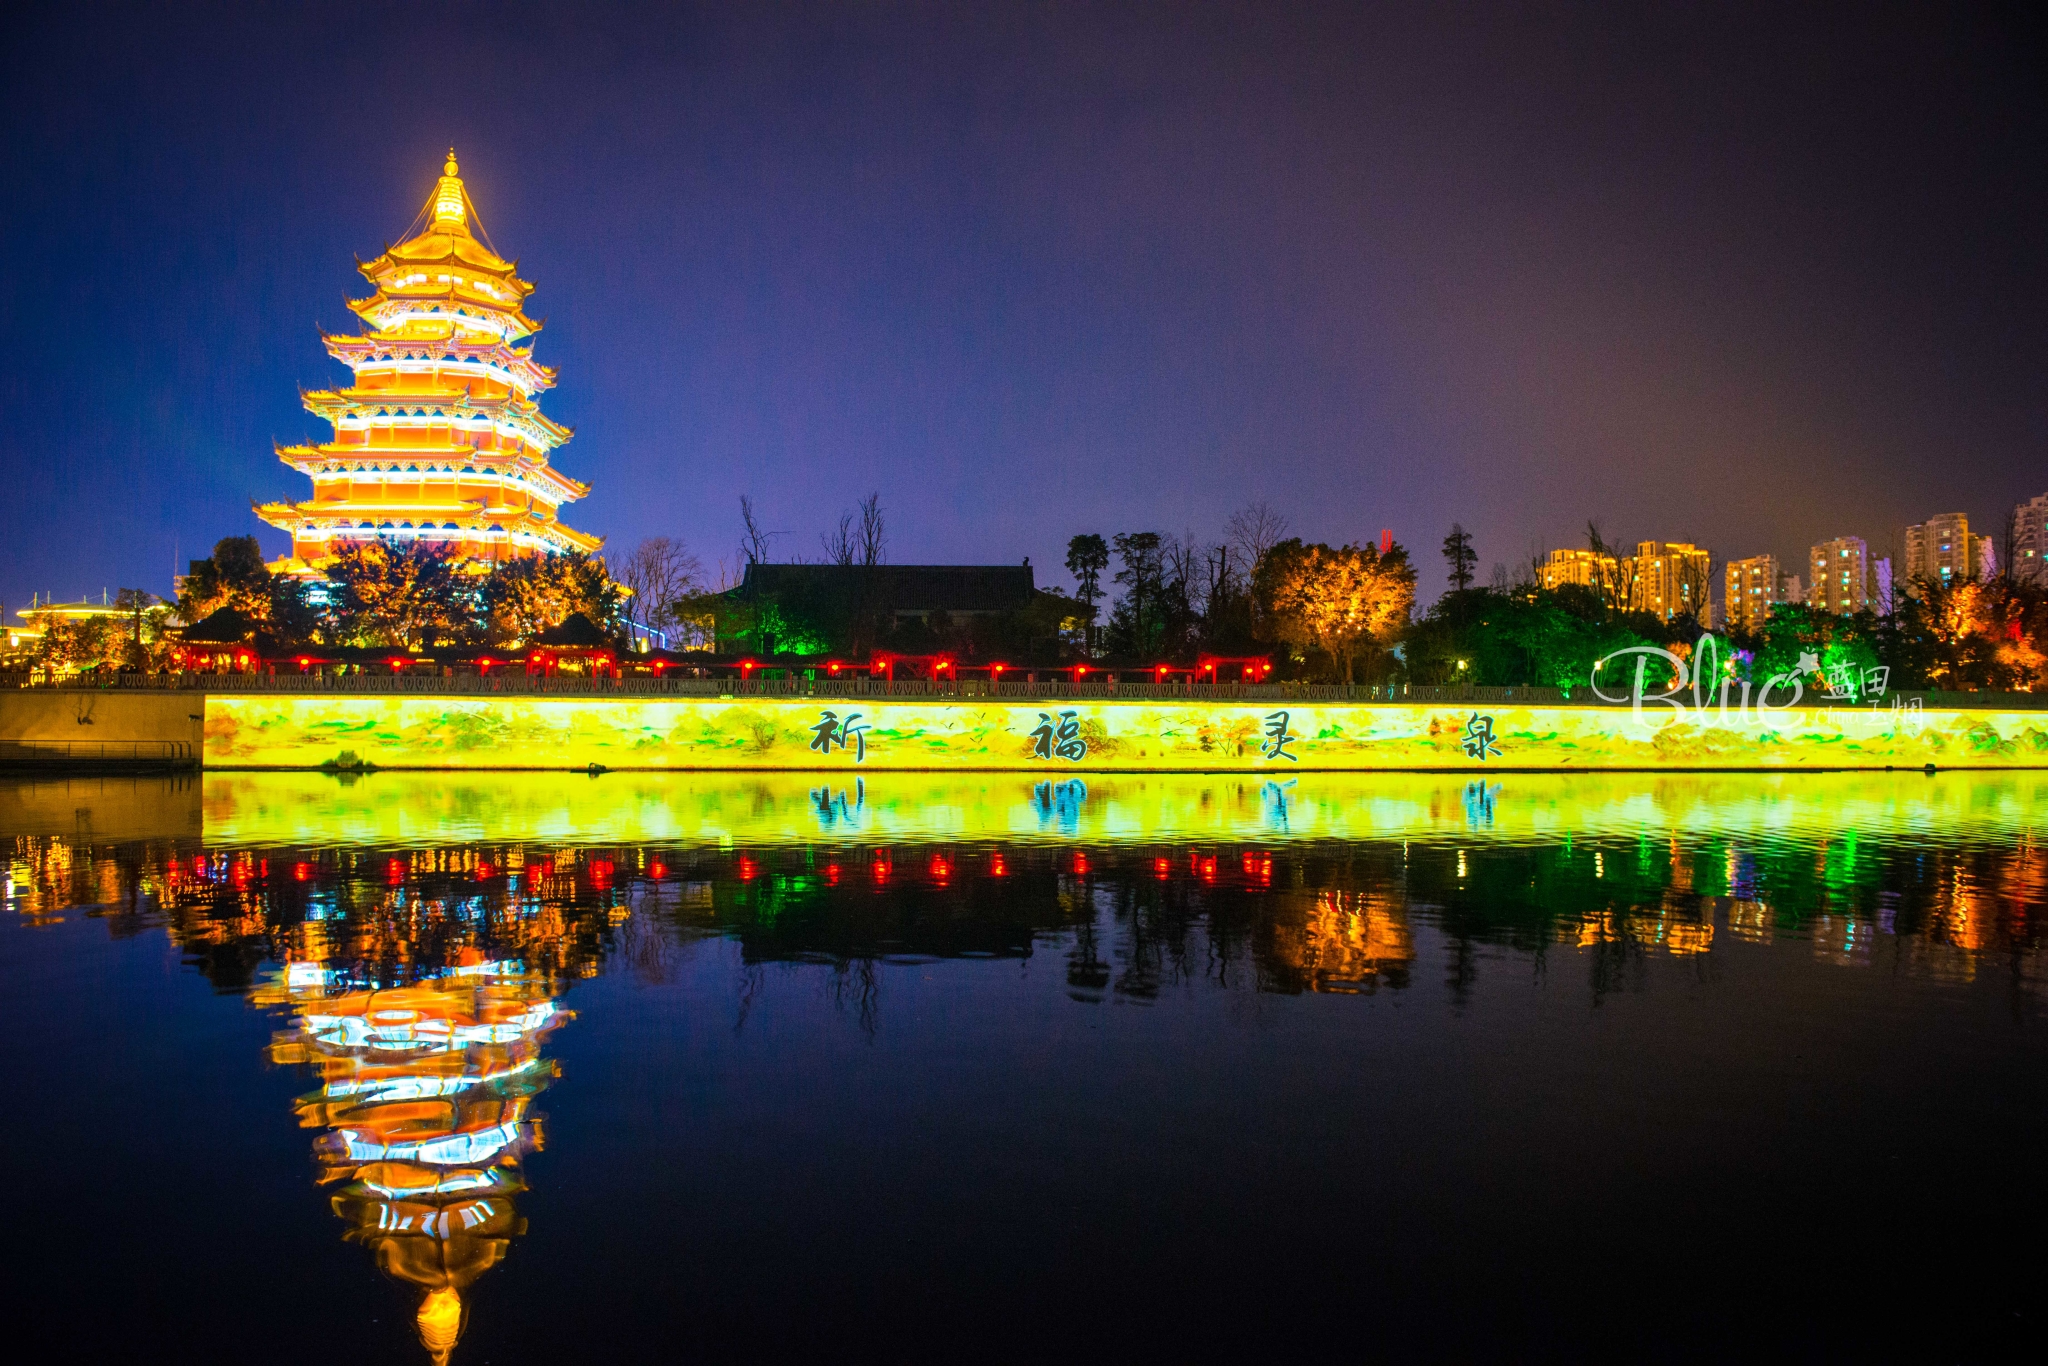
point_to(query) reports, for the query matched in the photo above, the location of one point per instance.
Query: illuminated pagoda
(438, 440)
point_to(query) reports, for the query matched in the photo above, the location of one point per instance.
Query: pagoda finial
(450, 212)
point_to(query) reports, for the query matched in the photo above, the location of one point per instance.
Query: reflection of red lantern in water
(425, 1097)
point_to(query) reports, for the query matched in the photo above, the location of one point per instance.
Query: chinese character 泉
(1478, 741)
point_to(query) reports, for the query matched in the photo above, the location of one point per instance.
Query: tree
(1458, 553)
(872, 538)
(1342, 601)
(386, 595)
(754, 541)
(839, 542)
(1087, 557)
(1252, 531)
(1136, 622)
(530, 595)
(87, 643)
(234, 576)
(661, 573)
(1973, 636)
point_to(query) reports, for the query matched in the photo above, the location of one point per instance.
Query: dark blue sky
(1027, 271)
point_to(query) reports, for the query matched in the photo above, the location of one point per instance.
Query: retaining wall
(1079, 736)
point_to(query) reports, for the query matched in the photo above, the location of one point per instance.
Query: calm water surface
(529, 1067)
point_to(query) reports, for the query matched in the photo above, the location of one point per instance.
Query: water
(665, 1067)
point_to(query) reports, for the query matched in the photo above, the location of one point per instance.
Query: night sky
(1753, 279)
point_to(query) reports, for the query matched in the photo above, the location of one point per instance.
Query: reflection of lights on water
(941, 870)
(1080, 864)
(1599, 864)
(748, 869)
(996, 866)
(656, 870)
(1461, 863)
(425, 1096)
(832, 875)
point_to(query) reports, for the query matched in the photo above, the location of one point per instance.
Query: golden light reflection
(1346, 942)
(426, 1094)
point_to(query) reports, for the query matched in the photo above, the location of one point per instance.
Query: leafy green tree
(1347, 603)
(1137, 622)
(385, 595)
(233, 576)
(1460, 556)
(527, 596)
(1087, 557)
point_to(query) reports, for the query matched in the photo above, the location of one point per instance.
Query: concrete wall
(90, 714)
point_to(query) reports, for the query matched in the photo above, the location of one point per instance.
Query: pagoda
(438, 440)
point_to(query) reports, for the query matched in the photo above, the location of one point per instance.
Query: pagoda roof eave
(461, 507)
(430, 248)
(361, 308)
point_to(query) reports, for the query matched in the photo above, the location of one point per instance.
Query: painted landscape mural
(350, 733)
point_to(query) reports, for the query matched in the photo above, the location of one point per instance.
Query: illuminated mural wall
(1056, 738)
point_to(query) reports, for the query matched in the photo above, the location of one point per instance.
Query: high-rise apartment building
(1940, 550)
(1750, 588)
(1790, 589)
(1841, 575)
(1583, 567)
(2030, 542)
(1670, 578)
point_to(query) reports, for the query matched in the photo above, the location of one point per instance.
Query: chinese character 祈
(831, 731)
(1059, 739)
(1277, 738)
(1477, 740)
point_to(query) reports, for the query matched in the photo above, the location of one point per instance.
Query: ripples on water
(420, 985)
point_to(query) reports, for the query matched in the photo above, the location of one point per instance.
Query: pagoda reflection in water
(426, 1094)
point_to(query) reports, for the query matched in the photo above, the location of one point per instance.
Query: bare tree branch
(755, 542)
(1252, 531)
(873, 537)
(841, 547)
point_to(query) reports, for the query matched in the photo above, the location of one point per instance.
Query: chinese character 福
(1059, 739)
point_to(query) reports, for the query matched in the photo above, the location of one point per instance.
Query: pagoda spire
(451, 213)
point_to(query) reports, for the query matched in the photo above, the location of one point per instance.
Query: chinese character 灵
(1278, 739)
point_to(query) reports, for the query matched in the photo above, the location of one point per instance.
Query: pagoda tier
(439, 439)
